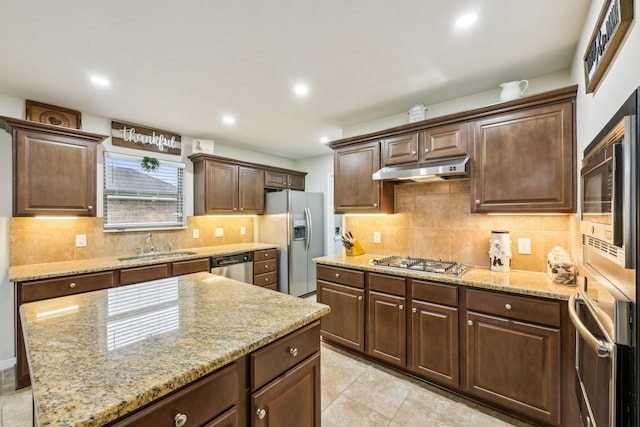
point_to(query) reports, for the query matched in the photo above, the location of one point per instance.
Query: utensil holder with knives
(356, 249)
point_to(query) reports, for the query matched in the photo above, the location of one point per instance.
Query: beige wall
(35, 241)
(433, 220)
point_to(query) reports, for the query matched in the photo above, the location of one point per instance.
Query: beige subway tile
(470, 246)
(431, 243)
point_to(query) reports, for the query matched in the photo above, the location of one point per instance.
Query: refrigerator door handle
(307, 214)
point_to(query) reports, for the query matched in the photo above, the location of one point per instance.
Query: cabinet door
(525, 161)
(515, 365)
(400, 149)
(446, 141)
(345, 323)
(275, 179)
(435, 343)
(54, 175)
(250, 190)
(387, 324)
(292, 400)
(296, 182)
(221, 188)
(354, 189)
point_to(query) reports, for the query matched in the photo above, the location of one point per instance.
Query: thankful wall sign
(141, 138)
(613, 23)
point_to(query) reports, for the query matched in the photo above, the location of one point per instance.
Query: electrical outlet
(81, 240)
(196, 233)
(219, 232)
(243, 231)
(524, 246)
(376, 237)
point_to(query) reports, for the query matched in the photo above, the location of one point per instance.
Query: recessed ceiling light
(99, 81)
(228, 119)
(465, 21)
(301, 89)
(324, 140)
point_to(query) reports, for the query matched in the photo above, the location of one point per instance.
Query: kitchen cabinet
(386, 319)
(179, 268)
(434, 336)
(37, 290)
(281, 179)
(210, 401)
(446, 141)
(54, 169)
(144, 273)
(400, 149)
(354, 189)
(222, 187)
(342, 290)
(285, 381)
(265, 269)
(513, 353)
(525, 161)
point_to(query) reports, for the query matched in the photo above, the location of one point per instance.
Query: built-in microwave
(606, 195)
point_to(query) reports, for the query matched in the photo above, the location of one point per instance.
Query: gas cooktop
(421, 264)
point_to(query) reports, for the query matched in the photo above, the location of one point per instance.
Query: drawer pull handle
(401, 307)
(72, 285)
(180, 419)
(507, 306)
(261, 413)
(470, 322)
(414, 310)
(293, 352)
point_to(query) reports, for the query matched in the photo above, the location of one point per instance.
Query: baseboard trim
(7, 363)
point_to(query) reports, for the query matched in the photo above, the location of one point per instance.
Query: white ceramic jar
(500, 251)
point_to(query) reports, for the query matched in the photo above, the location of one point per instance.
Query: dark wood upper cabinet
(525, 161)
(280, 179)
(446, 141)
(54, 169)
(354, 189)
(400, 149)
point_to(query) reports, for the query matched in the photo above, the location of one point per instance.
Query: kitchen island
(97, 357)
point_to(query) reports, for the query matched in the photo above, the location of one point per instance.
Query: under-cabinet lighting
(56, 217)
(57, 311)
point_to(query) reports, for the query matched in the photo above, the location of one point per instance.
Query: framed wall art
(53, 115)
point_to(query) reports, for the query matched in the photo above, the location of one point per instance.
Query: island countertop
(97, 356)
(516, 282)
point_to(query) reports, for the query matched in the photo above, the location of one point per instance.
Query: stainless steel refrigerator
(294, 220)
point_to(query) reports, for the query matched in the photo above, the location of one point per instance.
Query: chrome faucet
(149, 243)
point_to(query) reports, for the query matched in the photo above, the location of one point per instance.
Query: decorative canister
(500, 250)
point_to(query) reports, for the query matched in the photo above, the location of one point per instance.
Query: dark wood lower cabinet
(515, 365)
(435, 343)
(344, 325)
(387, 326)
(292, 400)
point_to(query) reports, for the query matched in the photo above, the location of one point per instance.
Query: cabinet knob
(261, 413)
(266, 279)
(507, 306)
(180, 419)
(72, 285)
(426, 150)
(235, 209)
(266, 255)
(337, 275)
(414, 152)
(241, 209)
(401, 307)
(470, 322)
(477, 202)
(375, 205)
(360, 298)
(293, 352)
(90, 207)
(266, 266)
(414, 310)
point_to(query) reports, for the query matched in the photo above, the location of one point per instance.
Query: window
(137, 199)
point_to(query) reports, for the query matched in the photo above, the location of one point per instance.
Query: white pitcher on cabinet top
(512, 90)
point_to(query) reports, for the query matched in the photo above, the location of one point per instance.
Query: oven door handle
(602, 348)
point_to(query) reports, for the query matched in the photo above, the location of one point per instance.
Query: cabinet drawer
(514, 307)
(267, 254)
(341, 275)
(438, 293)
(279, 356)
(144, 273)
(190, 266)
(201, 402)
(266, 279)
(388, 284)
(262, 267)
(58, 287)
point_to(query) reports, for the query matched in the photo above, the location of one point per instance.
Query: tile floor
(355, 392)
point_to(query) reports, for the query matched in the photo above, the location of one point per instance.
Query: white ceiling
(180, 65)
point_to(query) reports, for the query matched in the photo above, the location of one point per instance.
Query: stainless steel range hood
(436, 170)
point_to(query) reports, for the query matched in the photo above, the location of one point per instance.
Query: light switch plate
(524, 246)
(243, 231)
(196, 233)
(219, 232)
(376, 237)
(81, 240)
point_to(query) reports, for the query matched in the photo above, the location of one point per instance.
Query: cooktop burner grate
(420, 264)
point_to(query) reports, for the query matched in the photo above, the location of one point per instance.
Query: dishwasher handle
(600, 347)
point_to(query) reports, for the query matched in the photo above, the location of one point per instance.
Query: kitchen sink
(156, 255)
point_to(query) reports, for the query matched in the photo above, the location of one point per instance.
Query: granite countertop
(22, 273)
(517, 282)
(96, 356)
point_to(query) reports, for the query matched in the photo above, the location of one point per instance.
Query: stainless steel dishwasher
(237, 266)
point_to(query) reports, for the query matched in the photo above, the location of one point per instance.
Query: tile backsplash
(433, 220)
(33, 241)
